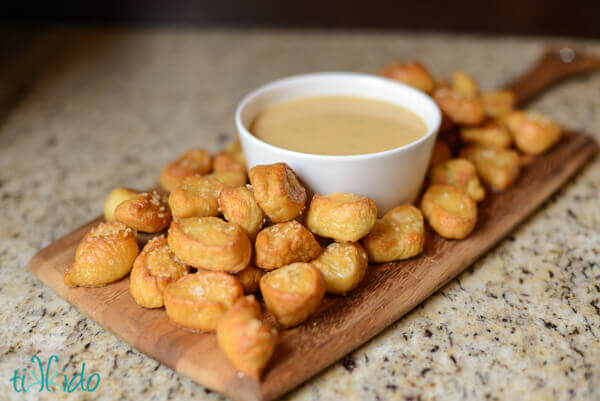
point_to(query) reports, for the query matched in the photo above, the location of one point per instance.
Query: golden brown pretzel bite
(285, 243)
(278, 191)
(250, 278)
(489, 136)
(239, 207)
(413, 74)
(464, 84)
(226, 162)
(234, 147)
(461, 109)
(441, 152)
(498, 168)
(147, 212)
(343, 217)
(533, 133)
(230, 178)
(115, 197)
(343, 266)
(245, 338)
(210, 243)
(498, 103)
(230, 159)
(460, 173)
(196, 196)
(192, 162)
(293, 292)
(198, 301)
(441, 83)
(154, 268)
(450, 211)
(105, 255)
(400, 234)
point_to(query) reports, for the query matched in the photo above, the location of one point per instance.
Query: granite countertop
(83, 111)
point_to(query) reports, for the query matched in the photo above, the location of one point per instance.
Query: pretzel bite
(498, 103)
(413, 74)
(196, 196)
(115, 197)
(192, 162)
(343, 266)
(278, 191)
(441, 83)
(154, 268)
(450, 211)
(230, 178)
(293, 292)
(285, 243)
(249, 278)
(234, 147)
(230, 159)
(533, 133)
(247, 340)
(239, 207)
(498, 168)
(226, 162)
(464, 84)
(400, 234)
(343, 217)
(198, 301)
(447, 123)
(460, 173)
(489, 136)
(464, 110)
(147, 212)
(441, 152)
(105, 255)
(210, 243)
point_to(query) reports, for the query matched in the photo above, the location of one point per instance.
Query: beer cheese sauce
(337, 125)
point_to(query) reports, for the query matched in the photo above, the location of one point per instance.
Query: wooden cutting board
(342, 323)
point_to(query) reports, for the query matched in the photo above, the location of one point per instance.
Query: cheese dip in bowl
(343, 132)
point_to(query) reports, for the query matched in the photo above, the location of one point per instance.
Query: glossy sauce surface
(337, 125)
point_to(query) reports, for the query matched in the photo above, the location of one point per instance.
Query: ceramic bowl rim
(350, 76)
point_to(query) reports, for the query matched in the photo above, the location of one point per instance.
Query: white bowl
(390, 178)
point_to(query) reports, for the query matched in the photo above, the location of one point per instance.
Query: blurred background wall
(524, 17)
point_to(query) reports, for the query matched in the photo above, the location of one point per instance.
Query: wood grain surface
(554, 66)
(342, 323)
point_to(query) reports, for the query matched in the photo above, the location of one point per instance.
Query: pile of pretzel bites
(227, 239)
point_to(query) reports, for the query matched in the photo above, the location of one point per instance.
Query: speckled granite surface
(84, 111)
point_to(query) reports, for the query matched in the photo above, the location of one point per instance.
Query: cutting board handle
(555, 65)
